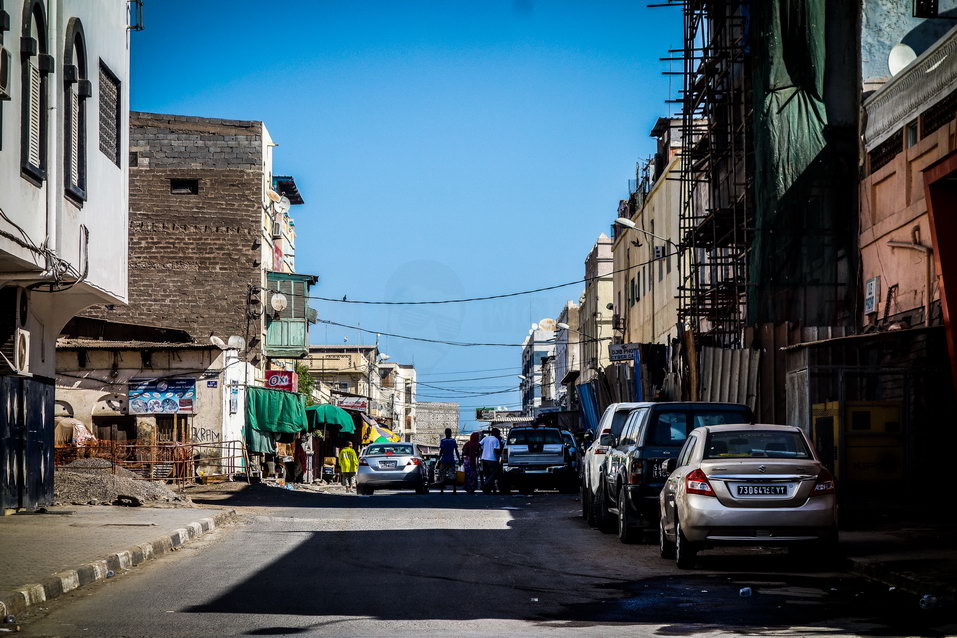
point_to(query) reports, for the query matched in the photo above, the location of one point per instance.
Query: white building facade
(64, 103)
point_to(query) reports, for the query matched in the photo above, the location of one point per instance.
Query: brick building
(210, 236)
(432, 417)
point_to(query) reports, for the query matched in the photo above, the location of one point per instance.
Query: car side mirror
(668, 466)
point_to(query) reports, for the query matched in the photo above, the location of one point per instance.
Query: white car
(609, 428)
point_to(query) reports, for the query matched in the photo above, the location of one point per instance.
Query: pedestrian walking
(348, 466)
(448, 455)
(471, 452)
(491, 451)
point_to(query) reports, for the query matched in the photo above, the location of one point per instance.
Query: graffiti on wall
(204, 435)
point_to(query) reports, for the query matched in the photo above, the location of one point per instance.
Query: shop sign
(354, 403)
(485, 414)
(282, 380)
(622, 351)
(162, 396)
(233, 397)
(277, 256)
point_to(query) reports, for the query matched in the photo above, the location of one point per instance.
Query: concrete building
(567, 356)
(353, 374)
(64, 97)
(433, 418)
(538, 344)
(397, 385)
(211, 239)
(645, 258)
(597, 309)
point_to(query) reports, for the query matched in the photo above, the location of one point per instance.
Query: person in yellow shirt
(348, 466)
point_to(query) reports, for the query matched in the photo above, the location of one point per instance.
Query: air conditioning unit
(659, 252)
(15, 353)
(276, 230)
(4, 74)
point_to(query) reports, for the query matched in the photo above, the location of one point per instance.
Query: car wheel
(586, 502)
(626, 533)
(423, 488)
(666, 549)
(603, 517)
(685, 551)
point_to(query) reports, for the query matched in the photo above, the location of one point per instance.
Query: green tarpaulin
(269, 413)
(321, 415)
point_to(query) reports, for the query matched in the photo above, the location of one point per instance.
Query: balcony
(287, 331)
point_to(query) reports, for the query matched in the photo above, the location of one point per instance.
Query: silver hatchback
(746, 485)
(392, 466)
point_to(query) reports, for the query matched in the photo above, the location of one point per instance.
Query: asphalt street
(398, 564)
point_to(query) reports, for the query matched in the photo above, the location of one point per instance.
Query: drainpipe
(928, 251)
(53, 165)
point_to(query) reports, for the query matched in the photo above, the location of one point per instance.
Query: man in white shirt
(491, 451)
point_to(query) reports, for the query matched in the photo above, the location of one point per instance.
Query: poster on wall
(162, 396)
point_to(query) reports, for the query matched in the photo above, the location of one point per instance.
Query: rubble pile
(93, 482)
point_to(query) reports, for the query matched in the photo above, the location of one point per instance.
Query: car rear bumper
(545, 474)
(402, 477)
(705, 520)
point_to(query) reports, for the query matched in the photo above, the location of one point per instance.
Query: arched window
(76, 88)
(37, 63)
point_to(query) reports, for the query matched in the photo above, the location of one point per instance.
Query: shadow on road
(471, 574)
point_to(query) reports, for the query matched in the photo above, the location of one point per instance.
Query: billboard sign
(162, 396)
(282, 380)
(354, 403)
(622, 351)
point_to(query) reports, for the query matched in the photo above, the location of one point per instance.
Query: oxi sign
(282, 380)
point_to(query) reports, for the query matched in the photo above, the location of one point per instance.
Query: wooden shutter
(74, 137)
(33, 135)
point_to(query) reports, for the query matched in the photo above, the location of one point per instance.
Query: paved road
(441, 564)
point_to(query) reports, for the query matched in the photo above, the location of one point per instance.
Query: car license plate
(762, 490)
(390, 465)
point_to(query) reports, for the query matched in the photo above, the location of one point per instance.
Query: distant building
(397, 389)
(353, 373)
(597, 309)
(433, 418)
(567, 356)
(538, 344)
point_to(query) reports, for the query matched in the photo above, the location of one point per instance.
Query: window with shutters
(36, 65)
(76, 89)
(110, 115)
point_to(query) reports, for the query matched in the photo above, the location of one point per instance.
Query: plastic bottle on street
(745, 592)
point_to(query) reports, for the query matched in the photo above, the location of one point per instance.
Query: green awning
(320, 415)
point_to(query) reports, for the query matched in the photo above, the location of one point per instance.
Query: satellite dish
(236, 342)
(547, 324)
(278, 301)
(900, 56)
(273, 195)
(282, 206)
(216, 341)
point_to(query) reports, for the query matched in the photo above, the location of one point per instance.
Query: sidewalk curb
(881, 573)
(17, 600)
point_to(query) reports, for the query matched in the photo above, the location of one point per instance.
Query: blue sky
(444, 148)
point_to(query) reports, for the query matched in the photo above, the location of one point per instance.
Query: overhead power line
(346, 300)
(464, 344)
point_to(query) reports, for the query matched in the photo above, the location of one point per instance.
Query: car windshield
(382, 449)
(671, 427)
(756, 444)
(533, 437)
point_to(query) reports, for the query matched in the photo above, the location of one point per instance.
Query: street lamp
(565, 326)
(627, 223)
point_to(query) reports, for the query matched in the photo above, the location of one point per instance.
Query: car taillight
(363, 462)
(634, 472)
(601, 450)
(824, 484)
(697, 483)
(414, 462)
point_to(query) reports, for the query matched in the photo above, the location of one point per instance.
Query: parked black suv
(538, 456)
(631, 477)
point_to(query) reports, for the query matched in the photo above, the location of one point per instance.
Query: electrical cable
(486, 298)
(463, 344)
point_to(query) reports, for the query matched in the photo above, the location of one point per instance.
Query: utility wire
(471, 299)
(464, 344)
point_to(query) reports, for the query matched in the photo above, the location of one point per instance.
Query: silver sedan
(392, 466)
(746, 485)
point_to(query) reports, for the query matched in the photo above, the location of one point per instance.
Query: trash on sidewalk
(745, 592)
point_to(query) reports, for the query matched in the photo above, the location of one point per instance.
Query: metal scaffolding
(716, 217)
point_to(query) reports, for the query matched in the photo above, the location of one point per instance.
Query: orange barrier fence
(161, 461)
